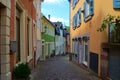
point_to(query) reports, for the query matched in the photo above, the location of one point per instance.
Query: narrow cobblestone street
(59, 68)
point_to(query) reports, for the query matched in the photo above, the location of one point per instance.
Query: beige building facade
(5, 9)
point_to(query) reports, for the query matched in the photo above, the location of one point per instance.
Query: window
(74, 21)
(114, 32)
(88, 9)
(111, 32)
(86, 53)
(91, 7)
(74, 2)
(18, 34)
(79, 17)
(28, 26)
(116, 3)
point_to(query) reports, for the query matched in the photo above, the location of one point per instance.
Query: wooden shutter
(116, 3)
(73, 22)
(84, 11)
(91, 7)
(73, 5)
(79, 17)
(76, 1)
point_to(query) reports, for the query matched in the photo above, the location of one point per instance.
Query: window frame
(88, 6)
(116, 4)
(84, 60)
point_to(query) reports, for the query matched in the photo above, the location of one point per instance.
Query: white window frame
(85, 62)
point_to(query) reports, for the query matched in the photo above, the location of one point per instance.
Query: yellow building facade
(83, 30)
(48, 37)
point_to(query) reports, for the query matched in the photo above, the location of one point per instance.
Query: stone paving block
(59, 68)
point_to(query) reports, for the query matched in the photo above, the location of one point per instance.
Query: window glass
(86, 53)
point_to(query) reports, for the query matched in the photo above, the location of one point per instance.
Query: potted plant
(115, 22)
(22, 71)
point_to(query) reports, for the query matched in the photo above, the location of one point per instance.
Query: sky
(57, 9)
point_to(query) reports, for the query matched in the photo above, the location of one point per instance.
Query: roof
(48, 20)
(58, 24)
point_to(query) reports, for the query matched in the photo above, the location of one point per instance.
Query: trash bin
(70, 56)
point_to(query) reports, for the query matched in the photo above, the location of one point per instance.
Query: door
(49, 50)
(18, 35)
(114, 64)
(85, 54)
(80, 52)
(0, 39)
(43, 51)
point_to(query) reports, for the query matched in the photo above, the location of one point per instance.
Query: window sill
(88, 18)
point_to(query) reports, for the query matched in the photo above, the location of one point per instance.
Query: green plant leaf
(22, 71)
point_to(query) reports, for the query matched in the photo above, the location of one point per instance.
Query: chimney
(49, 16)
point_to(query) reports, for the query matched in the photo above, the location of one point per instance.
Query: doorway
(114, 64)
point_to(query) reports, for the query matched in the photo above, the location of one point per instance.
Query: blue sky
(58, 10)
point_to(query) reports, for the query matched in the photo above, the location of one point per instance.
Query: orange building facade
(86, 16)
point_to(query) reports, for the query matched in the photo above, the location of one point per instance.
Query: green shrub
(22, 71)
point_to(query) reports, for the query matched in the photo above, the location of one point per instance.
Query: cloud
(55, 19)
(45, 10)
(60, 2)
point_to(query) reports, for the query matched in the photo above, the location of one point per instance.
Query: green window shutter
(91, 7)
(116, 3)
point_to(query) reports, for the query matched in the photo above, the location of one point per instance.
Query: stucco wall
(101, 9)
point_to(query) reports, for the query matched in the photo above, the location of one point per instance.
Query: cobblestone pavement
(59, 68)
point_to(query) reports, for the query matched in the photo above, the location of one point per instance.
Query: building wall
(48, 31)
(101, 10)
(68, 41)
(5, 11)
(27, 11)
(37, 39)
